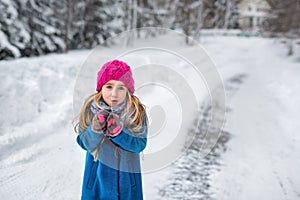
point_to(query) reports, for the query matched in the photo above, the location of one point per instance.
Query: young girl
(113, 130)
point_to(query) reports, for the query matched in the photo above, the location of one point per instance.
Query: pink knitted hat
(115, 70)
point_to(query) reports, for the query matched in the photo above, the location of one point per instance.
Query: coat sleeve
(89, 140)
(128, 141)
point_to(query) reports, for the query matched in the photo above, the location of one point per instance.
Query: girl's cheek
(107, 94)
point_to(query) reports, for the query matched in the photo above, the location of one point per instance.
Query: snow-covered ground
(264, 152)
(41, 160)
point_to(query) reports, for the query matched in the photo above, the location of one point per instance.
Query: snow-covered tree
(77, 24)
(225, 13)
(154, 14)
(13, 34)
(192, 16)
(231, 14)
(44, 21)
(35, 27)
(95, 21)
(285, 20)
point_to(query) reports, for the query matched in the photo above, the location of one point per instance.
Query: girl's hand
(99, 121)
(114, 125)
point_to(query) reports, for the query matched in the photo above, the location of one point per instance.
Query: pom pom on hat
(115, 70)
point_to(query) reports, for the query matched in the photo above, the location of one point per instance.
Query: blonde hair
(134, 109)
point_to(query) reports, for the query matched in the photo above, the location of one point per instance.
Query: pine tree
(44, 20)
(100, 20)
(153, 14)
(13, 34)
(77, 25)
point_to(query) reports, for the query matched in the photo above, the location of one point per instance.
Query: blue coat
(117, 173)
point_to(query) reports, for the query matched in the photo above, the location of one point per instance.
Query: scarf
(117, 109)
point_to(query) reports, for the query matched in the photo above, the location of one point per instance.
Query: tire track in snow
(191, 177)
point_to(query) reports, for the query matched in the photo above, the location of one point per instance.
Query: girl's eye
(108, 86)
(121, 88)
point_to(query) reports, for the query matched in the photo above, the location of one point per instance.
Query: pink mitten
(99, 121)
(114, 125)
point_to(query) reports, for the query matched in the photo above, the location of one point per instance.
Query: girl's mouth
(114, 101)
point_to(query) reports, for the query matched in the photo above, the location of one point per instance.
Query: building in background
(252, 14)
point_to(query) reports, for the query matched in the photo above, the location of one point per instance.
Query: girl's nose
(114, 92)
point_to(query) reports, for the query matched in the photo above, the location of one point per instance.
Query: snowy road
(264, 151)
(41, 160)
(261, 158)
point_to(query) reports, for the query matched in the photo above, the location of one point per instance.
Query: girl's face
(114, 92)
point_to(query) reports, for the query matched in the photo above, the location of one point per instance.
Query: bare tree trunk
(129, 23)
(290, 46)
(134, 14)
(227, 14)
(67, 26)
(187, 32)
(200, 18)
